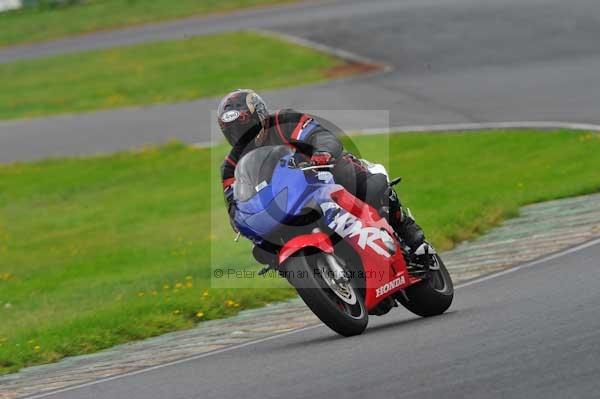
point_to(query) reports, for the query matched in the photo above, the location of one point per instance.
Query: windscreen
(255, 169)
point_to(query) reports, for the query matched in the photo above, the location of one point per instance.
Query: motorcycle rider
(247, 124)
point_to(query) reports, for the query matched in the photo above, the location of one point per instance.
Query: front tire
(345, 314)
(430, 297)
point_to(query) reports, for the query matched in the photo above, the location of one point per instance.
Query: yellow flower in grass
(113, 99)
(199, 314)
(205, 294)
(229, 303)
(176, 312)
(37, 348)
(586, 137)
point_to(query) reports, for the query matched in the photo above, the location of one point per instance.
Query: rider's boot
(404, 225)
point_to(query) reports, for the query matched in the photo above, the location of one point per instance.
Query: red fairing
(319, 240)
(385, 270)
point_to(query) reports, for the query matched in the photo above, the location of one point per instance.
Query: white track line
(456, 127)
(160, 366)
(532, 263)
(483, 125)
(272, 337)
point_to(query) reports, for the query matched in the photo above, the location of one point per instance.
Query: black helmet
(242, 116)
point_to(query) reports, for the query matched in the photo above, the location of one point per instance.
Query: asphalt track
(530, 333)
(453, 61)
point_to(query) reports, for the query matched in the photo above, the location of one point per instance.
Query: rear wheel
(432, 296)
(340, 305)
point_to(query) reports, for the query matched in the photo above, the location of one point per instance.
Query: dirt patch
(352, 68)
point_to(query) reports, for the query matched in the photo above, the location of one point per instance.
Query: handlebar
(304, 165)
(312, 167)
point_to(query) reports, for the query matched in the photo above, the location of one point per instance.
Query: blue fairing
(280, 200)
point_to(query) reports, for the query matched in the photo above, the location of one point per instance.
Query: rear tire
(304, 274)
(430, 297)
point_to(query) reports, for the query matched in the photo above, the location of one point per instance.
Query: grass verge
(104, 250)
(43, 24)
(157, 73)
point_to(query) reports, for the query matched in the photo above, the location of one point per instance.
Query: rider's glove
(321, 158)
(228, 194)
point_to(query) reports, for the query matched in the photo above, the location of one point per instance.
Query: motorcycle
(340, 254)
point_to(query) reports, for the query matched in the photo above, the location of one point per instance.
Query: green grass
(156, 73)
(104, 250)
(34, 25)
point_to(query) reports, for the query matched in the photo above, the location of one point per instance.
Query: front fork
(422, 262)
(339, 274)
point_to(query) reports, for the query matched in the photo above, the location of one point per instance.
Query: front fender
(318, 240)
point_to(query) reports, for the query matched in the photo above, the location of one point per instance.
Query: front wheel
(339, 305)
(432, 296)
